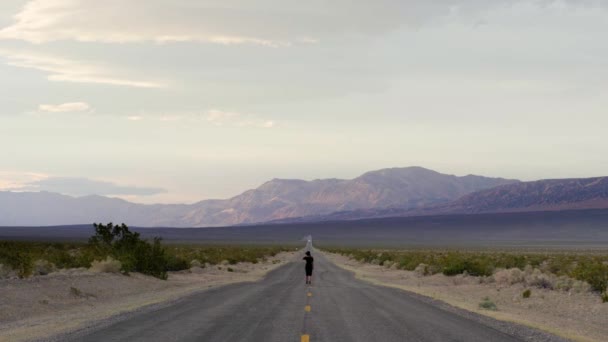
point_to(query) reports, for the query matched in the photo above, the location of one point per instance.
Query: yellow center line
(307, 308)
(305, 338)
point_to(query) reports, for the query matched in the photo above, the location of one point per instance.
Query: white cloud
(83, 186)
(221, 118)
(270, 23)
(64, 107)
(65, 70)
(75, 186)
(135, 118)
(12, 180)
(112, 21)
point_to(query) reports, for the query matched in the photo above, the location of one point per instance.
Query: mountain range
(394, 192)
(404, 188)
(534, 196)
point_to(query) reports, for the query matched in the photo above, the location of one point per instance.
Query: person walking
(309, 262)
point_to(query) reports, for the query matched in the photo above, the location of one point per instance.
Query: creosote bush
(134, 254)
(117, 249)
(527, 293)
(109, 265)
(557, 270)
(487, 304)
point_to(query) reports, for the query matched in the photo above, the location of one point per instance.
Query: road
(337, 307)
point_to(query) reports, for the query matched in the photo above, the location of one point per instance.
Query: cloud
(135, 118)
(84, 186)
(65, 70)
(42, 21)
(269, 23)
(16, 180)
(230, 118)
(64, 107)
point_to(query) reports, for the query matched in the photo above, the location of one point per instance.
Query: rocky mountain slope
(407, 188)
(542, 195)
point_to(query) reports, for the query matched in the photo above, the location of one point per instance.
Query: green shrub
(487, 304)
(604, 297)
(126, 250)
(176, 263)
(594, 273)
(135, 254)
(17, 258)
(527, 293)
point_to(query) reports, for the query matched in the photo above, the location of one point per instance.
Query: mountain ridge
(409, 187)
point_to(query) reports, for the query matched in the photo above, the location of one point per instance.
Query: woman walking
(309, 260)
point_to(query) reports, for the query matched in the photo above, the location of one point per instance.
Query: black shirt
(309, 261)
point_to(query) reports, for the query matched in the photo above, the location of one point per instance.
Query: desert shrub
(422, 270)
(594, 273)
(6, 272)
(387, 263)
(540, 280)
(109, 265)
(76, 292)
(134, 254)
(228, 255)
(605, 297)
(565, 283)
(17, 258)
(175, 263)
(509, 276)
(230, 269)
(459, 264)
(195, 263)
(527, 293)
(487, 304)
(43, 267)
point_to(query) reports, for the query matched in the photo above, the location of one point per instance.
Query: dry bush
(422, 270)
(6, 272)
(43, 267)
(541, 280)
(488, 304)
(509, 276)
(195, 263)
(564, 283)
(109, 265)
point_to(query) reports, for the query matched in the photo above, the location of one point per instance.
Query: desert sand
(41, 307)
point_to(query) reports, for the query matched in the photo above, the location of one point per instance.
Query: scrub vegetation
(555, 270)
(114, 248)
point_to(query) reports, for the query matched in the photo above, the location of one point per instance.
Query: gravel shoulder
(41, 307)
(575, 316)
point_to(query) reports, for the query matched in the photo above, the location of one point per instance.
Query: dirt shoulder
(576, 316)
(44, 306)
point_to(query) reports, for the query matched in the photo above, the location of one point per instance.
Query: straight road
(337, 307)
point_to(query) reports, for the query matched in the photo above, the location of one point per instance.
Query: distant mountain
(542, 195)
(404, 188)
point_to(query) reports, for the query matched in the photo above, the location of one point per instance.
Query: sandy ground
(576, 316)
(44, 306)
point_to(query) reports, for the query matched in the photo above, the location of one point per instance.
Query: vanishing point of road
(337, 307)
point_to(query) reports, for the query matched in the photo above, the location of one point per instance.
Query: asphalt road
(337, 307)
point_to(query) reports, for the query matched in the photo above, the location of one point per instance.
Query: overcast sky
(182, 100)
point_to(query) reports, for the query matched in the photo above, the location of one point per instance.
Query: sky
(171, 101)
